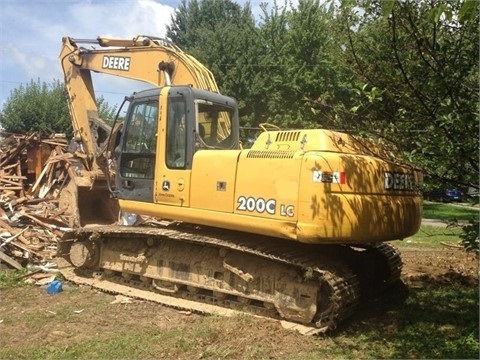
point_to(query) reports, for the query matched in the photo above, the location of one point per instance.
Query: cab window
(176, 134)
(214, 124)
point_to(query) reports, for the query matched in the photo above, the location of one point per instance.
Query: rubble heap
(33, 170)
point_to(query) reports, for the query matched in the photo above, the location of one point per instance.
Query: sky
(31, 34)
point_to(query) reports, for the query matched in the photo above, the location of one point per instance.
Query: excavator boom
(127, 58)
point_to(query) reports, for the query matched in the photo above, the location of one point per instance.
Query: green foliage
(387, 6)
(105, 111)
(36, 107)
(301, 81)
(41, 107)
(222, 35)
(404, 71)
(470, 236)
(422, 58)
(468, 11)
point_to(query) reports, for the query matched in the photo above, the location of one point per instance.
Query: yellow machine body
(312, 186)
(328, 190)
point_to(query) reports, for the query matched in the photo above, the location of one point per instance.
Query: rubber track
(393, 260)
(344, 283)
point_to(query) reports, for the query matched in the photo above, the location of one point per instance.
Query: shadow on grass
(430, 317)
(448, 212)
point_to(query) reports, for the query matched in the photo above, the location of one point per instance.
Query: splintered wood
(32, 173)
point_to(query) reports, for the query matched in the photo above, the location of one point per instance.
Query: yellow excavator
(294, 228)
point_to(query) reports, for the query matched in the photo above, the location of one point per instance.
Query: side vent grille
(258, 154)
(288, 136)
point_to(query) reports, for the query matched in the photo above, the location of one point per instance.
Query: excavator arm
(149, 59)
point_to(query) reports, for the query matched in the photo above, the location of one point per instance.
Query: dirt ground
(438, 264)
(97, 312)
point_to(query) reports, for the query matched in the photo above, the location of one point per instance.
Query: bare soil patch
(439, 264)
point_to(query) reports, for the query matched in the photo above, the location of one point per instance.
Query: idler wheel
(83, 254)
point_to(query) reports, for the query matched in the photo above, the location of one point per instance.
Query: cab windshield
(139, 146)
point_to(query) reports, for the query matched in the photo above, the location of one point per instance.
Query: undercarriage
(309, 288)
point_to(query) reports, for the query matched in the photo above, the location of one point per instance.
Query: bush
(470, 236)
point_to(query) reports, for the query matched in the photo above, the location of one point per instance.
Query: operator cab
(163, 129)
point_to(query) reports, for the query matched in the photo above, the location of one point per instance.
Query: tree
(38, 107)
(300, 72)
(279, 69)
(41, 107)
(222, 35)
(405, 71)
(105, 111)
(414, 70)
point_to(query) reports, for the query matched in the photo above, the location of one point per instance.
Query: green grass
(462, 226)
(206, 339)
(12, 278)
(432, 237)
(449, 212)
(439, 321)
(436, 321)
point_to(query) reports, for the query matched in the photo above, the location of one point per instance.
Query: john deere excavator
(294, 228)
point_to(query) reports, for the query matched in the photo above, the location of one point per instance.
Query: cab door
(136, 153)
(178, 134)
(191, 115)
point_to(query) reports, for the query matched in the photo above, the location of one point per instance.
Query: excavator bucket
(89, 205)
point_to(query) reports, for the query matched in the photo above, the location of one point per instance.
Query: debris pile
(32, 173)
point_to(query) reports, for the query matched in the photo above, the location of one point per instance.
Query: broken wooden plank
(12, 262)
(4, 180)
(48, 223)
(12, 237)
(12, 230)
